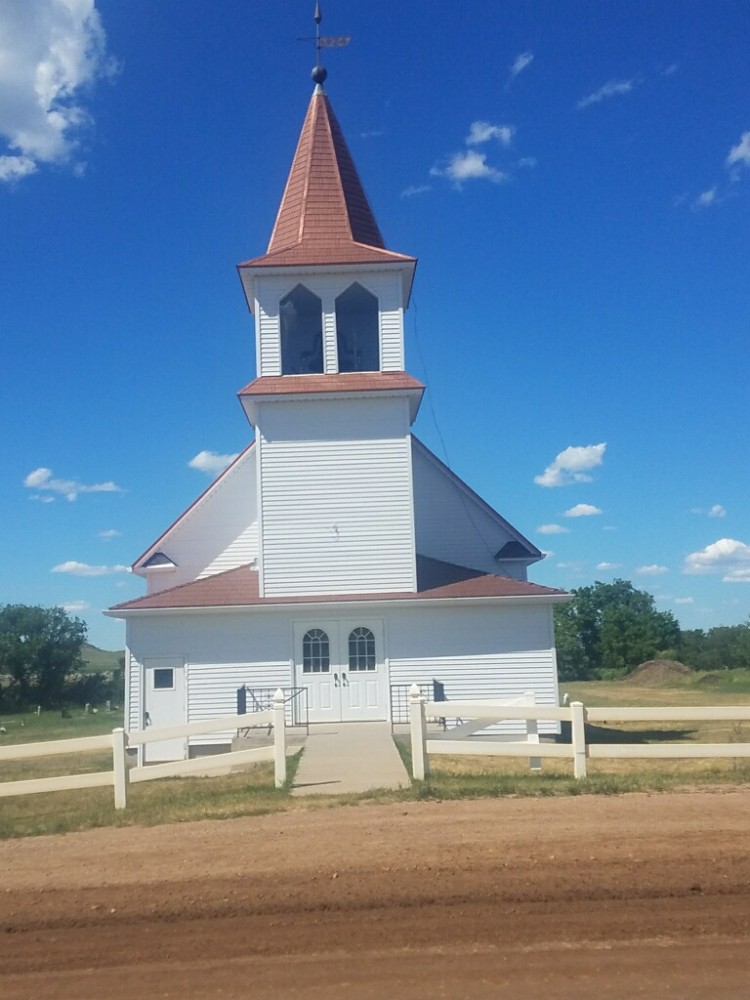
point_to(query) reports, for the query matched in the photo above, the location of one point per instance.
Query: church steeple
(324, 216)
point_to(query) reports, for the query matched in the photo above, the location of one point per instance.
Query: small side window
(163, 678)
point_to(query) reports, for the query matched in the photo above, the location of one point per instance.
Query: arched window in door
(361, 649)
(316, 652)
(357, 330)
(301, 318)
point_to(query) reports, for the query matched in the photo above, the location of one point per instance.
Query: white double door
(342, 666)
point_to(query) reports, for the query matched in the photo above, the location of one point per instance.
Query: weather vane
(323, 42)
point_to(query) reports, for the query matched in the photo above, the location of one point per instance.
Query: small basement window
(163, 678)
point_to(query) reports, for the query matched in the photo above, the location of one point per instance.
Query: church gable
(455, 525)
(216, 533)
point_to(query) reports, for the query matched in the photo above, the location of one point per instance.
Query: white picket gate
(119, 741)
(578, 750)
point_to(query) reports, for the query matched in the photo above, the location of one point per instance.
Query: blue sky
(573, 176)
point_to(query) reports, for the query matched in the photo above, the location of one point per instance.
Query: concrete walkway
(349, 757)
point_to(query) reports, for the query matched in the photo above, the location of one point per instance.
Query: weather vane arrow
(323, 42)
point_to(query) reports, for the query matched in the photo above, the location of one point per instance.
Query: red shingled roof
(272, 385)
(239, 588)
(324, 217)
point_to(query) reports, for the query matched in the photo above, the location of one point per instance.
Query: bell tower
(332, 404)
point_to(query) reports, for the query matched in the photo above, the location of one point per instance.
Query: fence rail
(119, 741)
(579, 750)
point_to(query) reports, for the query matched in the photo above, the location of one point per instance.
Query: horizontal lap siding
(133, 696)
(502, 676)
(337, 513)
(212, 690)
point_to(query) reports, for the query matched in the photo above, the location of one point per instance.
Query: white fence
(485, 713)
(119, 741)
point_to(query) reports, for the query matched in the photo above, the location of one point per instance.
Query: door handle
(344, 681)
(335, 680)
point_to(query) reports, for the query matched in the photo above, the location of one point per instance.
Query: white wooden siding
(133, 692)
(336, 494)
(217, 533)
(212, 690)
(451, 524)
(498, 651)
(386, 285)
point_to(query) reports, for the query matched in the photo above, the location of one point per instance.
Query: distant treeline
(608, 629)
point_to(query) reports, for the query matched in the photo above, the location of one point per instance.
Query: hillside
(101, 659)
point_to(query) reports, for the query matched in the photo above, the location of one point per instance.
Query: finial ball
(319, 75)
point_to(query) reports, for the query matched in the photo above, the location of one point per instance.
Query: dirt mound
(657, 673)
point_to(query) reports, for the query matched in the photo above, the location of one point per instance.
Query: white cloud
(652, 570)
(572, 465)
(684, 600)
(707, 198)
(374, 133)
(480, 132)
(582, 510)
(210, 462)
(727, 556)
(610, 89)
(109, 534)
(608, 565)
(527, 161)
(415, 189)
(50, 51)
(43, 479)
(468, 166)
(74, 607)
(552, 529)
(84, 569)
(717, 511)
(520, 63)
(741, 152)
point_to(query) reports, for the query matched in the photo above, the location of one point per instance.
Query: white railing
(119, 741)
(578, 750)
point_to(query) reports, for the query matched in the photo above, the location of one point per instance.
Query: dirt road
(583, 897)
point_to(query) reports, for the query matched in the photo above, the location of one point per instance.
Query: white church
(337, 556)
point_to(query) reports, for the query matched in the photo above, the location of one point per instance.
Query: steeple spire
(324, 216)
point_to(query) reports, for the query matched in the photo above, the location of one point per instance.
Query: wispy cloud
(582, 510)
(109, 534)
(652, 570)
(415, 189)
(374, 133)
(684, 600)
(727, 555)
(43, 479)
(608, 565)
(75, 607)
(741, 152)
(716, 511)
(468, 166)
(612, 88)
(572, 465)
(50, 51)
(552, 529)
(707, 198)
(84, 569)
(210, 462)
(480, 132)
(520, 63)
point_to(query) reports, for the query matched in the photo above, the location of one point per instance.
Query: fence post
(578, 738)
(532, 733)
(279, 738)
(120, 767)
(420, 764)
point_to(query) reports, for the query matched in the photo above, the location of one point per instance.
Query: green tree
(39, 649)
(608, 629)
